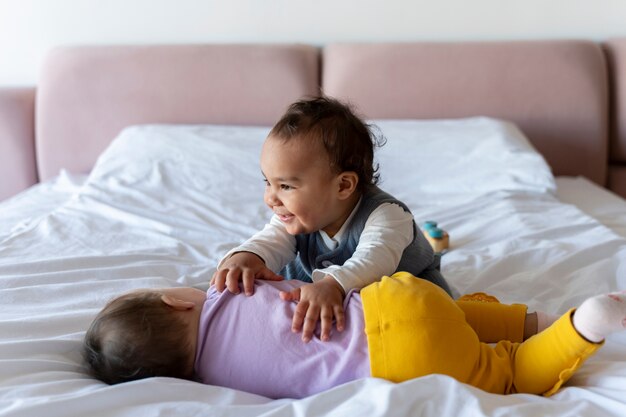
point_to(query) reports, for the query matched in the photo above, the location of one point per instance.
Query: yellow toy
(437, 237)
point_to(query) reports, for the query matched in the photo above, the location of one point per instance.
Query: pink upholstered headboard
(17, 140)
(616, 54)
(86, 95)
(556, 91)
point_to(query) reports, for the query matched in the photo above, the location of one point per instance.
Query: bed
(147, 160)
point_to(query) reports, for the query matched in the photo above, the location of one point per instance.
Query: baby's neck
(346, 211)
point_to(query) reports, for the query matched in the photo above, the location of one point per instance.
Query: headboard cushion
(616, 57)
(556, 91)
(17, 140)
(86, 95)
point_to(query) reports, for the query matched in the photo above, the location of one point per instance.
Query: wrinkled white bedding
(164, 203)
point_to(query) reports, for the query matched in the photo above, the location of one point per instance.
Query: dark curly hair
(348, 140)
(136, 337)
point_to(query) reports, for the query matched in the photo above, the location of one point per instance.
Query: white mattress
(69, 245)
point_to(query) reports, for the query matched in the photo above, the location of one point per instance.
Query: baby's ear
(348, 181)
(177, 304)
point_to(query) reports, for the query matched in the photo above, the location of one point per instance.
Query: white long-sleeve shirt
(387, 232)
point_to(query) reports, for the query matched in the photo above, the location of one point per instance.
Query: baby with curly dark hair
(332, 226)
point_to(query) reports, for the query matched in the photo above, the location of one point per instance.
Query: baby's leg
(414, 329)
(547, 360)
(494, 321)
(544, 362)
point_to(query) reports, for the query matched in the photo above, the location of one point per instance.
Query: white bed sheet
(40, 199)
(64, 260)
(600, 203)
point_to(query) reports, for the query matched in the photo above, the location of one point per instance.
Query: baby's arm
(387, 233)
(266, 251)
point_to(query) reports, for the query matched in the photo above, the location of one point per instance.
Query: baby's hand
(320, 300)
(242, 266)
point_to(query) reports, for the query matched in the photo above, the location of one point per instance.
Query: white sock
(599, 316)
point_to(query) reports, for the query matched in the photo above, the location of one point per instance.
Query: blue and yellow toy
(437, 237)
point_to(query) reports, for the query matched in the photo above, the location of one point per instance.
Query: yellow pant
(414, 329)
(493, 321)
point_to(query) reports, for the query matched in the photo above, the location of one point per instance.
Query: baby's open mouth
(285, 217)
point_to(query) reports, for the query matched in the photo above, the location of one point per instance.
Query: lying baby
(397, 329)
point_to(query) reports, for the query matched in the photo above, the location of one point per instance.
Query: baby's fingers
(310, 322)
(293, 295)
(232, 280)
(327, 322)
(219, 279)
(298, 316)
(340, 318)
(269, 275)
(248, 282)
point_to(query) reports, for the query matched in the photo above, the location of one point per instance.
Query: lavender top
(246, 343)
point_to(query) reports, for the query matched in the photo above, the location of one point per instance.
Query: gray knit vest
(311, 253)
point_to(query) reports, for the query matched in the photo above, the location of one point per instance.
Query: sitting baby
(397, 329)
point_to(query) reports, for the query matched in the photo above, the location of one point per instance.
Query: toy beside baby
(437, 237)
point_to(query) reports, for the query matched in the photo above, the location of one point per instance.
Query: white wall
(29, 28)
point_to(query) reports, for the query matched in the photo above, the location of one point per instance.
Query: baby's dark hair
(348, 140)
(136, 336)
